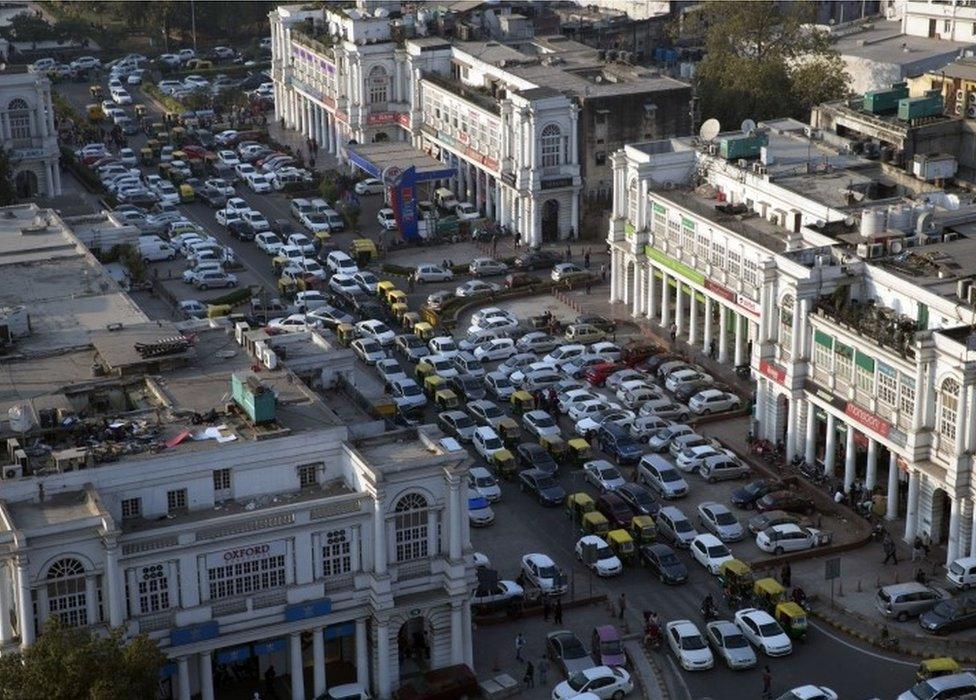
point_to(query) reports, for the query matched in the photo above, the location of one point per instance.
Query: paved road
(523, 526)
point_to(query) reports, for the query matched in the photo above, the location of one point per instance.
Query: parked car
(710, 552)
(566, 650)
(905, 600)
(604, 562)
(603, 475)
(719, 520)
(950, 616)
(664, 563)
(788, 537)
(661, 476)
(763, 631)
(543, 573)
(688, 646)
(541, 485)
(786, 500)
(672, 525)
(599, 681)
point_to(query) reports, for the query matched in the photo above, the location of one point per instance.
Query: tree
(78, 664)
(763, 61)
(8, 191)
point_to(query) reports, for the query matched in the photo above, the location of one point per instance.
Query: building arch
(25, 182)
(19, 118)
(378, 85)
(551, 149)
(66, 589)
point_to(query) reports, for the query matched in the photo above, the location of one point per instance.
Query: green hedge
(237, 296)
(391, 269)
(169, 103)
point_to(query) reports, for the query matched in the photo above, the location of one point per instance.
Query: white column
(455, 513)
(383, 680)
(574, 212)
(810, 445)
(91, 599)
(707, 336)
(296, 666)
(851, 454)
(955, 524)
(652, 305)
(665, 301)
(6, 630)
(891, 511)
(206, 676)
(791, 426)
(113, 581)
(911, 514)
(871, 477)
(183, 677)
(972, 534)
(723, 334)
(692, 316)
(457, 633)
(614, 275)
(318, 661)
(57, 179)
(740, 340)
(830, 448)
(25, 608)
(362, 656)
(635, 291)
(679, 307)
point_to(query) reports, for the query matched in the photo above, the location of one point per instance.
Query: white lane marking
(855, 647)
(677, 674)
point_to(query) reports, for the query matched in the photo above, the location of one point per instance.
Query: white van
(154, 248)
(445, 199)
(962, 573)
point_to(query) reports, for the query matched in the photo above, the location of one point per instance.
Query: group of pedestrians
(542, 664)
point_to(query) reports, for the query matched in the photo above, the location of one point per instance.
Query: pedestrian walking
(557, 612)
(673, 331)
(411, 281)
(518, 240)
(603, 272)
(569, 253)
(786, 575)
(586, 259)
(543, 671)
(622, 605)
(589, 283)
(529, 678)
(767, 684)
(711, 348)
(519, 645)
(545, 609)
(917, 548)
(890, 550)
(269, 679)
(926, 542)
(494, 245)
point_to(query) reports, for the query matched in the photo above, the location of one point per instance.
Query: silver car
(672, 525)
(730, 644)
(720, 521)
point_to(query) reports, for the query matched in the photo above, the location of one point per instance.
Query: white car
(387, 219)
(244, 171)
(228, 158)
(128, 157)
(237, 204)
(787, 537)
(537, 341)
(369, 186)
(406, 393)
(603, 475)
(688, 646)
(310, 300)
(367, 281)
(296, 323)
(763, 631)
(486, 442)
(605, 562)
(377, 330)
(121, 96)
(220, 185)
(258, 183)
(426, 272)
(566, 271)
(339, 262)
(255, 221)
(443, 345)
(811, 692)
(225, 218)
(712, 401)
(540, 424)
(543, 573)
(709, 551)
(390, 371)
(475, 288)
(314, 222)
(466, 211)
(598, 682)
(368, 350)
(300, 240)
(343, 284)
(610, 351)
(268, 242)
(484, 484)
(483, 596)
(691, 458)
(495, 349)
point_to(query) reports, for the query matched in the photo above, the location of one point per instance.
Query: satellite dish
(709, 130)
(747, 126)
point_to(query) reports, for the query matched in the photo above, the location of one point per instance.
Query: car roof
(787, 527)
(476, 471)
(539, 558)
(725, 627)
(755, 614)
(708, 539)
(683, 626)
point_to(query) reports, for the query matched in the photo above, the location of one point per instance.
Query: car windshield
(692, 642)
(718, 551)
(725, 518)
(611, 647)
(609, 473)
(484, 481)
(441, 364)
(670, 475)
(545, 482)
(548, 571)
(470, 384)
(578, 681)
(669, 559)
(371, 347)
(770, 629)
(501, 382)
(411, 389)
(496, 444)
(735, 641)
(682, 526)
(945, 610)
(544, 422)
(464, 421)
(492, 411)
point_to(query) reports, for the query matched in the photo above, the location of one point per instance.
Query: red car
(194, 151)
(596, 375)
(785, 500)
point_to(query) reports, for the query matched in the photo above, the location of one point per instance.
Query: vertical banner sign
(403, 197)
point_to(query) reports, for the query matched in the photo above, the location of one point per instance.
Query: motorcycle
(652, 637)
(708, 612)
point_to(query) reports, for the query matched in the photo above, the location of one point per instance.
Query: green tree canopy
(78, 664)
(762, 61)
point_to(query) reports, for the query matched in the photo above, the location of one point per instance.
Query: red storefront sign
(724, 292)
(868, 419)
(777, 374)
(377, 118)
(403, 119)
(748, 304)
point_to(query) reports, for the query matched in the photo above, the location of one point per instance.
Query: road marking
(679, 676)
(846, 643)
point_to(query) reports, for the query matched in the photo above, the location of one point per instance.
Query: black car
(567, 651)
(283, 227)
(411, 347)
(468, 387)
(746, 496)
(240, 230)
(639, 498)
(949, 616)
(617, 442)
(534, 455)
(212, 197)
(536, 260)
(542, 486)
(664, 563)
(652, 363)
(603, 323)
(331, 317)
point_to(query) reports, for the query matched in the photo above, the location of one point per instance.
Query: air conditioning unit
(972, 97)
(960, 95)
(963, 288)
(949, 237)
(13, 471)
(971, 112)
(240, 328)
(971, 297)
(959, 109)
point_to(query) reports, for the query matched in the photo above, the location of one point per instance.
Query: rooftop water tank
(900, 217)
(873, 222)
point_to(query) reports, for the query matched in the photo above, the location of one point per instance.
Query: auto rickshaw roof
(579, 443)
(791, 609)
(595, 516)
(619, 536)
(737, 567)
(642, 521)
(580, 497)
(769, 585)
(942, 663)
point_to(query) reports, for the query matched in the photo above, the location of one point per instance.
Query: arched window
(66, 592)
(551, 146)
(379, 85)
(948, 408)
(632, 203)
(785, 325)
(411, 527)
(18, 112)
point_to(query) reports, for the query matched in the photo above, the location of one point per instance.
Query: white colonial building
(27, 133)
(844, 284)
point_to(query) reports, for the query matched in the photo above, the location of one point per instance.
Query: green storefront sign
(629, 230)
(659, 208)
(688, 223)
(680, 268)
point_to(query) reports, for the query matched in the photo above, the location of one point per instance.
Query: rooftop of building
(882, 41)
(407, 449)
(53, 510)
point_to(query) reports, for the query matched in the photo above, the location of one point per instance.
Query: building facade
(27, 134)
(507, 117)
(851, 305)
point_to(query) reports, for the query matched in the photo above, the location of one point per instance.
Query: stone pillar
(296, 667)
(972, 533)
(810, 445)
(113, 581)
(57, 179)
(206, 676)
(740, 340)
(871, 477)
(6, 630)
(723, 334)
(637, 295)
(183, 677)
(891, 509)
(362, 655)
(455, 513)
(692, 317)
(574, 210)
(614, 275)
(791, 426)
(665, 301)
(380, 552)
(849, 459)
(679, 310)
(830, 448)
(652, 305)
(911, 514)
(318, 661)
(457, 633)
(707, 335)
(955, 524)
(382, 641)
(25, 608)
(91, 599)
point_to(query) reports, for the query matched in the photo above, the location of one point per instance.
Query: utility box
(745, 146)
(253, 397)
(934, 166)
(929, 105)
(885, 101)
